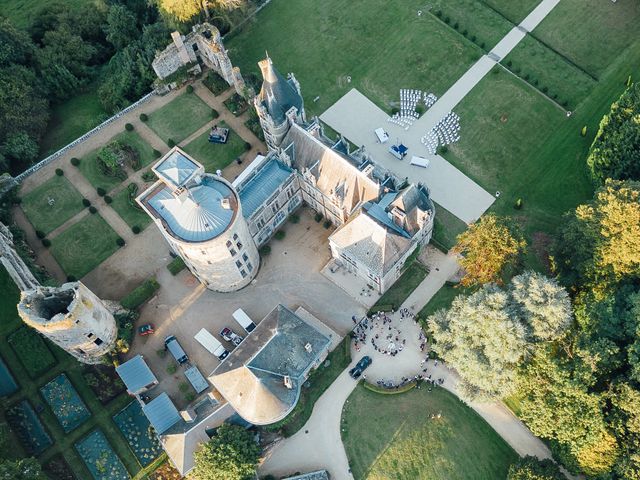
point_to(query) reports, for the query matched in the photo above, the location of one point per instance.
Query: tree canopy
(530, 468)
(22, 469)
(615, 152)
(232, 454)
(186, 10)
(487, 247)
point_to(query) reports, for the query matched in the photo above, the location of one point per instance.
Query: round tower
(200, 216)
(72, 317)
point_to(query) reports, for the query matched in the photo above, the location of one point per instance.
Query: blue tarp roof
(257, 190)
(162, 413)
(136, 374)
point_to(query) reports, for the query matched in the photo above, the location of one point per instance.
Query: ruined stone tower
(15, 266)
(72, 317)
(279, 104)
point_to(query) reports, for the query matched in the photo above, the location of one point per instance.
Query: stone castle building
(11, 261)
(72, 317)
(202, 45)
(200, 216)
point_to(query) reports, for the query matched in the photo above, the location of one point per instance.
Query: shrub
(40, 234)
(172, 368)
(136, 229)
(583, 132)
(157, 153)
(473, 38)
(71, 278)
(442, 149)
(144, 117)
(120, 241)
(516, 69)
(326, 224)
(438, 13)
(75, 161)
(171, 143)
(545, 89)
(214, 113)
(535, 81)
(318, 217)
(86, 202)
(265, 250)
(518, 204)
(46, 242)
(189, 88)
(101, 191)
(465, 32)
(394, 110)
(140, 294)
(148, 176)
(247, 146)
(495, 70)
(456, 25)
(93, 209)
(509, 63)
(108, 199)
(161, 353)
(189, 396)
(526, 77)
(183, 387)
(128, 127)
(280, 234)
(295, 218)
(59, 172)
(483, 45)
(176, 266)
(447, 20)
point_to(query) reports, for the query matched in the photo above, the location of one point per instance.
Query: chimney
(308, 348)
(287, 382)
(226, 204)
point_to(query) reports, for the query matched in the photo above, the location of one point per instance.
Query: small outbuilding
(136, 375)
(162, 413)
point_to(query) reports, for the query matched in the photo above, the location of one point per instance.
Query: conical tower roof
(278, 94)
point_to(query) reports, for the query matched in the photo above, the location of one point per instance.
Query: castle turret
(72, 317)
(200, 216)
(278, 104)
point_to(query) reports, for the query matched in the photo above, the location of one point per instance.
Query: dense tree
(15, 45)
(600, 241)
(185, 10)
(530, 468)
(232, 454)
(487, 247)
(121, 26)
(624, 419)
(23, 469)
(543, 305)
(615, 152)
(18, 149)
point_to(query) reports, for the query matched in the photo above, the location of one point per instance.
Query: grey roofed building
(262, 185)
(262, 377)
(162, 413)
(136, 375)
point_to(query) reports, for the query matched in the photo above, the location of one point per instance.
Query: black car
(360, 367)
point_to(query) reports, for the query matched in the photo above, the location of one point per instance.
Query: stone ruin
(202, 44)
(72, 317)
(11, 261)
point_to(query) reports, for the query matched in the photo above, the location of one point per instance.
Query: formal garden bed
(84, 245)
(8, 383)
(58, 469)
(135, 427)
(180, 117)
(236, 104)
(165, 472)
(32, 351)
(144, 154)
(104, 168)
(51, 204)
(103, 381)
(65, 403)
(26, 425)
(216, 156)
(100, 459)
(125, 204)
(253, 124)
(215, 83)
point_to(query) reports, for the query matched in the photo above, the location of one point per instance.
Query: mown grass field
(514, 10)
(180, 118)
(84, 245)
(130, 214)
(394, 436)
(216, 156)
(134, 140)
(90, 168)
(46, 217)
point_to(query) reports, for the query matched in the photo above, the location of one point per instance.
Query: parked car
(230, 336)
(243, 319)
(360, 367)
(211, 343)
(171, 343)
(146, 329)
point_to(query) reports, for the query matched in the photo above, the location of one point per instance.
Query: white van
(244, 320)
(211, 343)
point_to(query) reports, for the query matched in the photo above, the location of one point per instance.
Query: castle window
(238, 263)
(89, 335)
(235, 236)
(80, 351)
(249, 266)
(98, 341)
(239, 245)
(245, 257)
(243, 273)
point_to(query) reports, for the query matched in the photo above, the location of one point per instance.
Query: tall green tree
(121, 28)
(232, 454)
(15, 45)
(487, 247)
(531, 468)
(615, 152)
(186, 10)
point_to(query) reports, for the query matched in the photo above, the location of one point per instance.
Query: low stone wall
(63, 150)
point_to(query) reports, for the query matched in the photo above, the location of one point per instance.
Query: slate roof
(277, 94)
(136, 374)
(262, 185)
(176, 168)
(162, 413)
(252, 377)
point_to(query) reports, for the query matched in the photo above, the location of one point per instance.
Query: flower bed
(136, 428)
(8, 384)
(65, 402)
(28, 428)
(58, 469)
(100, 459)
(104, 382)
(33, 352)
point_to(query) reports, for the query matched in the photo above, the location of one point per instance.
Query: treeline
(63, 51)
(564, 348)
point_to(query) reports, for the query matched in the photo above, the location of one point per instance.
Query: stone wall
(15, 266)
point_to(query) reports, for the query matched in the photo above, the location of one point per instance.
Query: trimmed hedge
(59, 172)
(390, 391)
(140, 294)
(32, 351)
(128, 127)
(75, 161)
(176, 266)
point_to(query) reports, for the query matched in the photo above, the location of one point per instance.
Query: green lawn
(45, 217)
(180, 117)
(91, 171)
(130, 214)
(134, 140)
(407, 283)
(383, 46)
(215, 156)
(591, 33)
(84, 245)
(535, 62)
(446, 228)
(394, 436)
(72, 119)
(514, 10)
(442, 299)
